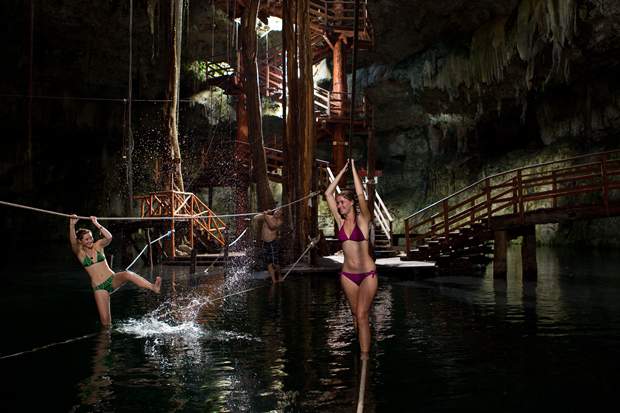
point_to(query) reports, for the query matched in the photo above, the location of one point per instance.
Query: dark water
(451, 343)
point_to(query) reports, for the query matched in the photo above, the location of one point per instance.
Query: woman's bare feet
(157, 285)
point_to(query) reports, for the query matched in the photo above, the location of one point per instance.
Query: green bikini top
(87, 261)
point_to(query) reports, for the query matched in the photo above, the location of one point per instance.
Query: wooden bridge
(464, 227)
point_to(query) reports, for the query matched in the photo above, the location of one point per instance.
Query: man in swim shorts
(272, 220)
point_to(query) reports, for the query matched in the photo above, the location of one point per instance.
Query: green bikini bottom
(106, 285)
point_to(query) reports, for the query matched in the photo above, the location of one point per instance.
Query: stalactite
(151, 11)
(495, 45)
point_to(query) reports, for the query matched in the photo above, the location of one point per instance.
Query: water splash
(173, 317)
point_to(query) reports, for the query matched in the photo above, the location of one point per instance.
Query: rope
(93, 99)
(360, 400)
(310, 195)
(229, 245)
(313, 242)
(71, 340)
(11, 204)
(145, 247)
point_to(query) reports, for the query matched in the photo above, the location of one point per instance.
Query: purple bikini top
(356, 234)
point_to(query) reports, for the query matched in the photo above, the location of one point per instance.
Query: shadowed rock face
(460, 88)
(409, 27)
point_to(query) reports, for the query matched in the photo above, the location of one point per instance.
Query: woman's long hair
(79, 234)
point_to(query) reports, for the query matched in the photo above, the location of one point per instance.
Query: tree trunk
(241, 177)
(174, 177)
(255, 133)
(291, 159)
(306, 123)
(339, 93)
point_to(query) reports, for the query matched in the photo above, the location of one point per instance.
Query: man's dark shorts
(271, 252)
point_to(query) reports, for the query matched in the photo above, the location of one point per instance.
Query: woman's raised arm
(359, 191)
(107, 236)
(72, 237)
(330, 193)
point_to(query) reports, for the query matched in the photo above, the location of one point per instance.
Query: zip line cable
(176, 218)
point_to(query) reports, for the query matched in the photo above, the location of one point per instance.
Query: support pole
(500, 265)
(528, 254)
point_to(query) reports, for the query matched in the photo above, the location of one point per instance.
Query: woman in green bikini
(103, 279)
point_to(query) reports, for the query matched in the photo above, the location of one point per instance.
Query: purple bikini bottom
(358, 278)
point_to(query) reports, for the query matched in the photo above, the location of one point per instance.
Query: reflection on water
(459, 342)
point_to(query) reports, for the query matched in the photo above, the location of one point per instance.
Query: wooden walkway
(459, 228)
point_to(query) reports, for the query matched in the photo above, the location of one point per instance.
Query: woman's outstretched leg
(351, 291)
(121, 278)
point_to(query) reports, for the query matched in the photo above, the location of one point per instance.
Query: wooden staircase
(330, 19)
(186, 214)
(459, 229)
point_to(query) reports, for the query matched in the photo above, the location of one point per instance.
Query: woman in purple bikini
(358, 276)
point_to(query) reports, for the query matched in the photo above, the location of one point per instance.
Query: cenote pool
(458, 343)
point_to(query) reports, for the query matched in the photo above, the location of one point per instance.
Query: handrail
(183, 205)
(506, 173)
(281, 153)
(511, 196)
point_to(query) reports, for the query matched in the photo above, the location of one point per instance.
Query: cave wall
(525, 82)
(80, 76)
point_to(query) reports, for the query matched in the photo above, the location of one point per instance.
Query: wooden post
(339, 91)
(172, 234)
(500, 254)
(515, 196)
(487, 190)
(148, 239)
(191, 222)
(605, 183)
(407, 238)
(370, 163)
(171, 107)
(291, 144)
(306, 136)
(446, 223)
(554, 187)
(528, 254)
(253, 105)
(193, 261)
(521, 205)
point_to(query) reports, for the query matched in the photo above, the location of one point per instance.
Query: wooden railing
(183, 206)
(271, 74)
(275, 158)
(568, 184)
(328, 104)
(339, 16)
